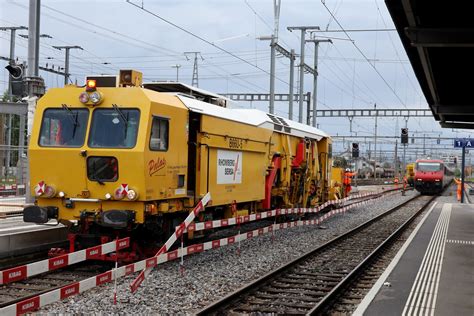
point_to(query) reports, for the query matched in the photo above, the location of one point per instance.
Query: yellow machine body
(169, 166)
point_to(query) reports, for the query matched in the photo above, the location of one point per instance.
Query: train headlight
(108, 196)
(95, 97)
(132, 195)
(84, 97)
(61, 194)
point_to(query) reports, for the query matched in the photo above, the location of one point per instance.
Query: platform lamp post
(177, 66)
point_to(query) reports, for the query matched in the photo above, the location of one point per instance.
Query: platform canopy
(438, 37)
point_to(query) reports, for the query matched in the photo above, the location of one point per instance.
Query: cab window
(114, 128)
(159, 134)
(64, 127)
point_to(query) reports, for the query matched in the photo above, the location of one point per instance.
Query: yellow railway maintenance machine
(118, 157)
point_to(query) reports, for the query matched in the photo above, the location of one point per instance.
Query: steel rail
(75, 274)
(340, 287)
(227, 300)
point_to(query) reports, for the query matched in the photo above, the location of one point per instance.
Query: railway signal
(17, 72)
(404, 135)
(355, 150)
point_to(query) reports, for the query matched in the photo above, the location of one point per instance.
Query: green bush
(457, 173)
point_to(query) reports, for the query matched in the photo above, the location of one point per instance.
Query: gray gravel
(211, 275)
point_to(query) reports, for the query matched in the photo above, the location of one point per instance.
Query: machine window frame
(42, 127)
(167, 132)
(91, 134)
(89, 170)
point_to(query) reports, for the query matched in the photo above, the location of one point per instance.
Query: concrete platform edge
(364, 304)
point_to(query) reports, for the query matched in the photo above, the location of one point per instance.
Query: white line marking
(364, 304)
(421, 273)
(419, 300)
(464, 242)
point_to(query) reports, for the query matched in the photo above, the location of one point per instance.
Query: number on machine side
(235, 143)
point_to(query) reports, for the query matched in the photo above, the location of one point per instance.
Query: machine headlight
(84, 97)
(95, 97)
(132, 195)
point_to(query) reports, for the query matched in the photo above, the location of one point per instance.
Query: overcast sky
(118, 35)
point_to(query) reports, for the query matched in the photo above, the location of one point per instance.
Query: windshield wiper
(95, 176)
(73, 118)
(123, 117)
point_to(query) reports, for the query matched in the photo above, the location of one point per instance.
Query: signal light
(91, 85)
(355, 150)
(15, 71)
(404, 135)
(18, 84)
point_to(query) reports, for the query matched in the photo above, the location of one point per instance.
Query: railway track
(311, 283)
(31, 287)
(18, 291)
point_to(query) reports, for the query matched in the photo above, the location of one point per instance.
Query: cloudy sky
(117, 35)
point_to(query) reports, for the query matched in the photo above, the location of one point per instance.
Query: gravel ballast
(213, 274)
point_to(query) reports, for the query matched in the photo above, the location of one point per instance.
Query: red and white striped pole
(115, 273)
(152, 262)
(181, 265)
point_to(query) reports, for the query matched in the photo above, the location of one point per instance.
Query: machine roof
(253, 117)
(179, 87)
(438, 37)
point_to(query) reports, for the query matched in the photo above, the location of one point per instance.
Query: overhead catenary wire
(363, 54)
(202, 39)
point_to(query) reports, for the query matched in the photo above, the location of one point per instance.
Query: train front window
(428, 166)
(102, 169)
(64, 127)
(114, 128)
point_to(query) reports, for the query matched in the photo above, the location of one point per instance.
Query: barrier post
(115, 270)
(171, 240)
(273, 228)
(181, 265)
(239, 219)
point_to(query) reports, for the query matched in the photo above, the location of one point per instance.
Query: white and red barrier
(255, 217)
(75, 288)
(35, 268)
(152, 262)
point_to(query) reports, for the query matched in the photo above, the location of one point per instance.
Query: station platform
(18, 237)
(433, 273)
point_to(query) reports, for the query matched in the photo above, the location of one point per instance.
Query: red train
(431, 176)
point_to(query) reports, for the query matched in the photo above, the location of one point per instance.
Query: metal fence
(13, 164)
